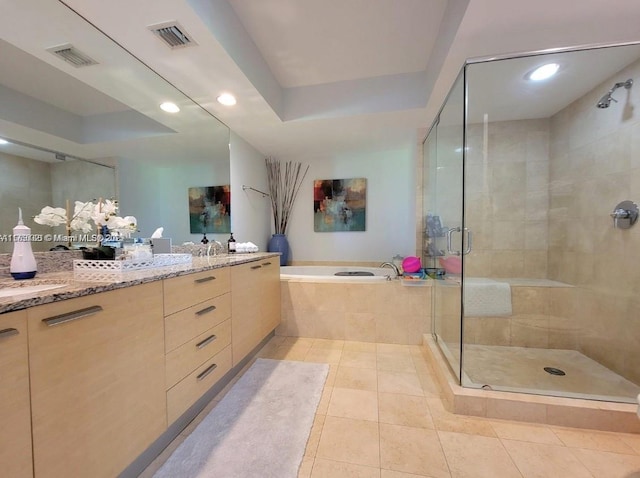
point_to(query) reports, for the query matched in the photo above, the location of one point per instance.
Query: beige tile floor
(381, 415)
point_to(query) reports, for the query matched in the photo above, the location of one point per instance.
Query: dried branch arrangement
(284, 183)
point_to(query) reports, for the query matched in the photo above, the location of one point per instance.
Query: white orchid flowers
(104, 213)
(51, 216)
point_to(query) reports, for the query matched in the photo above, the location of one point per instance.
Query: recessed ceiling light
(169, 107)
(3, 141)
(227, 99)
(543, 72)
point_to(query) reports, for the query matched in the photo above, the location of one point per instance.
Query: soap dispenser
(23, 263)
(231, 245)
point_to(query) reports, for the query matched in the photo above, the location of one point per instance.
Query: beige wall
(82, 181)
(32, 184)
(24, 183)
(595, 163)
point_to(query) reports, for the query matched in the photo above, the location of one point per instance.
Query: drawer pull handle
(8, 333)
(205, 279)
(207, 371)
(256, 267)
(266, 264)
(206, 341)
(206, 310)
(69, 316)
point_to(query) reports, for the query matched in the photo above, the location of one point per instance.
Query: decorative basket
(110, 270)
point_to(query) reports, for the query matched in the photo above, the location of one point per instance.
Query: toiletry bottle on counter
(231, 244)
(23, 263)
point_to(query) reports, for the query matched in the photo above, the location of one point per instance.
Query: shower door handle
(467, 249)
(450, 240)
(450, 250)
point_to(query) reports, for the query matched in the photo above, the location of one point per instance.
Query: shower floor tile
(522, 369)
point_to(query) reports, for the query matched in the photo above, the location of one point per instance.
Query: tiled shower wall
(507, 197)
(595, 164)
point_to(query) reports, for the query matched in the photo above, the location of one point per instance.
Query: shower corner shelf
(414, 282)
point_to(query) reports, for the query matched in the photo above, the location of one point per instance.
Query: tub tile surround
(402, 435)
(385, 311)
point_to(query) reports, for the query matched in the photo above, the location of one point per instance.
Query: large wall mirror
(84, 132)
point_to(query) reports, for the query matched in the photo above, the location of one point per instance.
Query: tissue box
(161, 245)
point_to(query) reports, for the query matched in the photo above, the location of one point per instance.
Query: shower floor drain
(554, 371)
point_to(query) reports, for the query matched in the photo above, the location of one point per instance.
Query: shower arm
(627, 84)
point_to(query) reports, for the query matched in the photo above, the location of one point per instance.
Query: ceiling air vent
(72, 55)
(172, 34)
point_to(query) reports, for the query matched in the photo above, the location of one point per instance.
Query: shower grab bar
(467, 249)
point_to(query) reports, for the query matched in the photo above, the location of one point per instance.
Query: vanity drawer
(186, 392)
(183, 360)
(183, 326)
(184, 291)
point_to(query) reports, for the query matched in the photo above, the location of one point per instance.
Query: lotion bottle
(23, 263)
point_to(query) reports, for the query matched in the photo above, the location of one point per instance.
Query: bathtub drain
(554, 371)
(354, 273)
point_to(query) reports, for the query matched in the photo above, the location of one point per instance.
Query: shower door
(443, 164)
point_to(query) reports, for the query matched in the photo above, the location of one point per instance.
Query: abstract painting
(339, 204)
(210, 209)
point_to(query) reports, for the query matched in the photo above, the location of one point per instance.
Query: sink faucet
(216, 246)
(393, 266)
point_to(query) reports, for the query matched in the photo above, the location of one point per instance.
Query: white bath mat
(259, 429)
(486, 298)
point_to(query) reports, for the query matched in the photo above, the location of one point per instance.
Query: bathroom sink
(27, 290)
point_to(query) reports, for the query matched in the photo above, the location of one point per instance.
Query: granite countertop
(70, 287)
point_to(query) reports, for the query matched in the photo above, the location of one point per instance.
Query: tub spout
(393, 266)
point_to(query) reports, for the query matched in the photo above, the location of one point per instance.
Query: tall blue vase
(279, 243)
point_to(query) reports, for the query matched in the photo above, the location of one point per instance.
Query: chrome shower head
(606, 100)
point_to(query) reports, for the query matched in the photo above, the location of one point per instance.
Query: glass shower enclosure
(531, 191)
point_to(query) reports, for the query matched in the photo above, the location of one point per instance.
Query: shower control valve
(625, 215)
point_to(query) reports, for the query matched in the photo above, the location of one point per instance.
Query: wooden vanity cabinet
(270, 295)
(15, 411)
(88, 384)
(97, 381)
(197, 336)
(255, 304)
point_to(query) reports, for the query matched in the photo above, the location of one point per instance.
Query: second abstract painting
(339, 204)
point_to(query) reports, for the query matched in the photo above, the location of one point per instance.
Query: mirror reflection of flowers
(103, 214)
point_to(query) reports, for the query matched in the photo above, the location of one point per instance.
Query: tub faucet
(393, 266)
